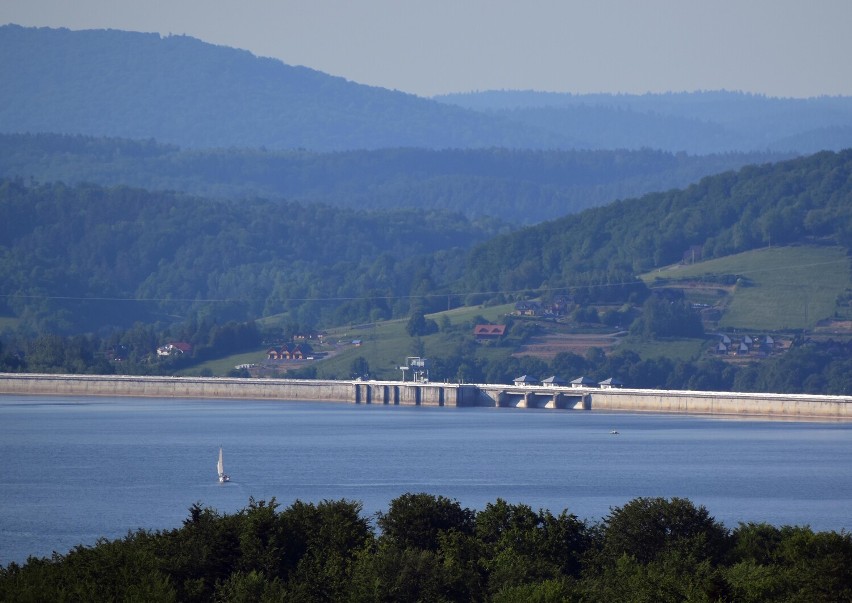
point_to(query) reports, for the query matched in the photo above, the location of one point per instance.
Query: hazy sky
(776, 47)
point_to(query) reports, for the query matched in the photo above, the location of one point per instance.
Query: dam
(414, 393)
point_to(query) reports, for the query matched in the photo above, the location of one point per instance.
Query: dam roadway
(728, 404)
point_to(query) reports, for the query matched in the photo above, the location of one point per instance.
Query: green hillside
(770, 289)
(807, 200)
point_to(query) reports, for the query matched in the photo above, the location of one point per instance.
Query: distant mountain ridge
(515, 186)
(183, 91)
(698, 122)
(180, 90)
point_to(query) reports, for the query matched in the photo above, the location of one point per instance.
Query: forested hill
(180, 90)
(801, 200)
(699, 122)
(512, 185)
(84, 258)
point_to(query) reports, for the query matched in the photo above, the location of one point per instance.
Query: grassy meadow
(777, 289)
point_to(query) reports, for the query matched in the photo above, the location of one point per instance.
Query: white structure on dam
(731, 404)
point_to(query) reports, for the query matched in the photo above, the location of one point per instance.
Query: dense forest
(512, 185)
(182, 91)
(430, 548)
(84, 258)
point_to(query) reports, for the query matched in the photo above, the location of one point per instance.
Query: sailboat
(220, 467)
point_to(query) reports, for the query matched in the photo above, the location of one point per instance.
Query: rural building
(528, 308)
(488, 332)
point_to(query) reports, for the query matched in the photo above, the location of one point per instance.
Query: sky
(788, 48)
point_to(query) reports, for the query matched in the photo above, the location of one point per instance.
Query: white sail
(220, 468)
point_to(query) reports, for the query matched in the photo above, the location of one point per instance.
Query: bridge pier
(432, 395)
(556, 401)
(413, 394)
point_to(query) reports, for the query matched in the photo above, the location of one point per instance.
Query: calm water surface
(76, 469)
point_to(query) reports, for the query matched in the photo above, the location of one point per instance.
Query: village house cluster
(552, 309)
(286, 352)
(298, 349)
(746, 345)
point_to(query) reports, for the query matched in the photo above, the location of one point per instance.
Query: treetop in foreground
(431, 548)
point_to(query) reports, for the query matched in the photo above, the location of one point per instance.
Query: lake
(75, 469)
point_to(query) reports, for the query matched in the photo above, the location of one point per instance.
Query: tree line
(427, 547)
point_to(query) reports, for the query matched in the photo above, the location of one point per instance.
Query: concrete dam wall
(774, 406)
(425, 394)
(780, 406)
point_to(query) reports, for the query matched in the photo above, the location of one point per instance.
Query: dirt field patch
(548, 346)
